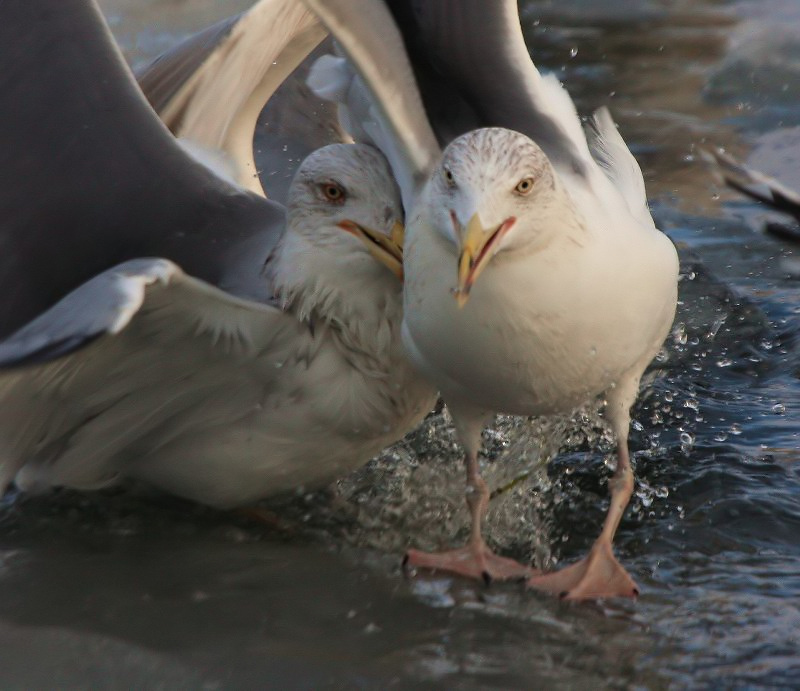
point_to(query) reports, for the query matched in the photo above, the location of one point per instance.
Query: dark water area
(126, 589)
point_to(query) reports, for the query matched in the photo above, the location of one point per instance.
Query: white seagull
(535, 278)
(224, 386)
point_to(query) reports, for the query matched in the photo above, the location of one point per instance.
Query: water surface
(126, 589)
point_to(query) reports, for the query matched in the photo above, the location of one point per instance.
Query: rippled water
(126, 589)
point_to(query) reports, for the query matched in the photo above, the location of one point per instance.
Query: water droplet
(691, 403)
(662, 492)
(573, 52)
(724, 362)
(735, 429)
(610, 462)
(779, 409)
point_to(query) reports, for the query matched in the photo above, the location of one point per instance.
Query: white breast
(540, 333)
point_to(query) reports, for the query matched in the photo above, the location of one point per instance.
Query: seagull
(763, 188)
(185, 331)
(535, 278)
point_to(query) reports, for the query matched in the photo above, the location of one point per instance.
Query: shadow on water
(125, 589)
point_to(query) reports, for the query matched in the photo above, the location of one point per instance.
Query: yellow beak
(472, 258)
(476, 245)
(387, 249)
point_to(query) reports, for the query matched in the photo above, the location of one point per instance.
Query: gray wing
(130, 351)
(91, 177)
(474, 70)
(395, 119)
(211, 88)
(471, 65)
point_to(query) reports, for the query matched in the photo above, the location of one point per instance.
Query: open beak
(476, 250)
(387, 249)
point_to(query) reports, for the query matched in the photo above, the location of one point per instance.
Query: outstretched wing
(474, 70)
(211, 88)
(131, 351)
(91, 176)
(472, 67)
(394, 118)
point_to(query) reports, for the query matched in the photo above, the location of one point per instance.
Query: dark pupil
(333, 192)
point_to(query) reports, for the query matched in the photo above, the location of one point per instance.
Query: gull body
(216, 398)
(579, 299)
(558, 302)
(535, 277)
(227, 349)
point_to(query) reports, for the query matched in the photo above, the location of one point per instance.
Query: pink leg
(475, 559)
(599, 574)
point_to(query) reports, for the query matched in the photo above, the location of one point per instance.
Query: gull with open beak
(535, 278)
(275, 363)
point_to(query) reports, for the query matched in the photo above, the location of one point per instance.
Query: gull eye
(524, 186)
(449, 177)
(333, 192)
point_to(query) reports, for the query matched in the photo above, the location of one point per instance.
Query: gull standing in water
(535, 278)
(163, 348)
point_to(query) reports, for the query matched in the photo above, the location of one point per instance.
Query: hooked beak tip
(461, 295)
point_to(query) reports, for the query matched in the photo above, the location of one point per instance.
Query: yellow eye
(333, 192)
(448, 176)
(524, 186)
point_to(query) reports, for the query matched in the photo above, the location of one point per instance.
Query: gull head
(345, 203)
(490, 195)
(341, 254)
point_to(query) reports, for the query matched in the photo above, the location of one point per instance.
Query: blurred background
(125, 588)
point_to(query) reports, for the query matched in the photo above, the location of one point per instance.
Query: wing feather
(127, 353)
(212, 87)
